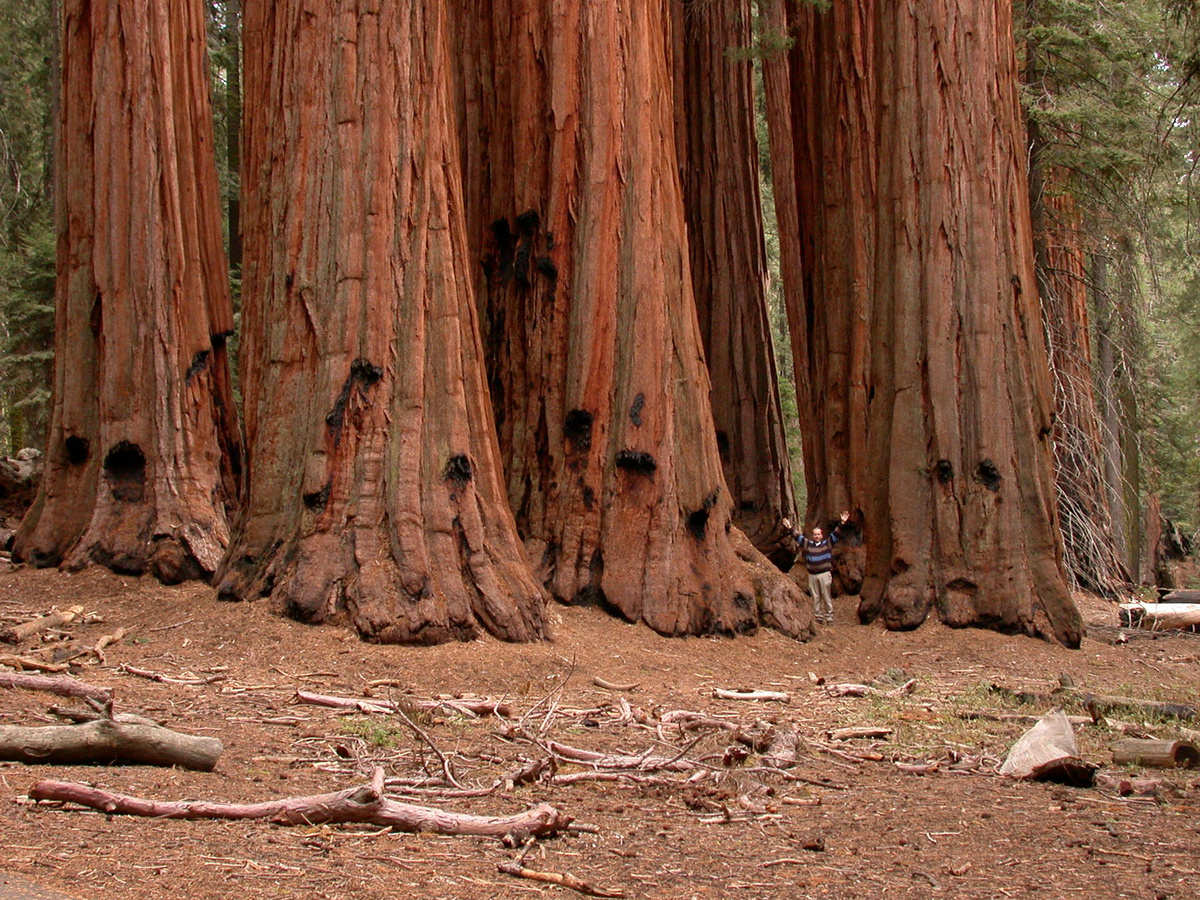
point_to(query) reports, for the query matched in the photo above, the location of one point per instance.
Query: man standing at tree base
(818, 559)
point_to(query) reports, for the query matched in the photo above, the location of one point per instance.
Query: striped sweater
(818, 555)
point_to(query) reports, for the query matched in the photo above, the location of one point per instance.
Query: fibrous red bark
(961, 509)
(718, 162)
(143, 453)
(919, 325)
(829, 172)
(598, 371)
(374, 480)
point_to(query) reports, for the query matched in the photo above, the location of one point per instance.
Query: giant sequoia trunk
(718, 159)
(960, 513)
(833, 167)
(1090, 542)
(824, 135)
(374, 481)
(142, 453)
(598, 370)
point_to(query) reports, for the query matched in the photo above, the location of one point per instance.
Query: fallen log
(724, 694)
(1155, 753)
(18, 633)
(105, 741)
(861, 733)
(1159, 615)
(365, 804)
(58, 684)
(471, 708)
(1098, 703)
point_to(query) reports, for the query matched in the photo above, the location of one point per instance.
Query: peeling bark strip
(365, 804)
(143, 457)
(382, 502)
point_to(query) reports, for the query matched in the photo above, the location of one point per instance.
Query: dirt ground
(916, 810)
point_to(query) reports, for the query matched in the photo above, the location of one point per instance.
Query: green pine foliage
(27, 88)
(1113, 92)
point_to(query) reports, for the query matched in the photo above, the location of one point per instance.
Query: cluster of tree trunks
(504, 335)
(928, 370)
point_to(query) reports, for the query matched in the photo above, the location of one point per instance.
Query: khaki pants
(821, 588)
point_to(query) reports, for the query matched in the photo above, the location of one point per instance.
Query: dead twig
(613, 686)
(447, 768)
(166, 679)
(562, 879)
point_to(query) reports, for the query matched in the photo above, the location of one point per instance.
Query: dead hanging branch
(365, 804)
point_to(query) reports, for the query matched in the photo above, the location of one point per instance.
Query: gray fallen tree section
(105, 741)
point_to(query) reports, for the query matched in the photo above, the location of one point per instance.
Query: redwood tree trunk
(1090, 542)
(829, 177)
(599, 377)
(718, 159)
(836, 127)
(960, 513)
(375, 487)
(142, 454)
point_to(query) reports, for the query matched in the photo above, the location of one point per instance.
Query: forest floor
(917, 810)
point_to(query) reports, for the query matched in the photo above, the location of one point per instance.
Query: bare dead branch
(723, 694)
(61, 685)
(563, 879)
(613, 686)
(362, 804)
(166, 679)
